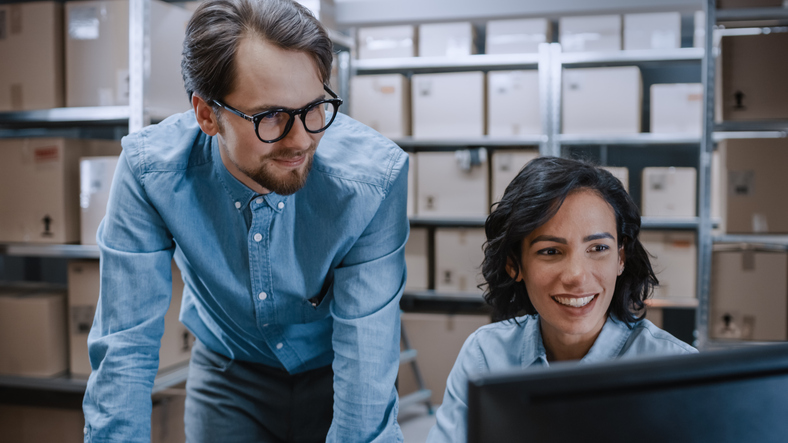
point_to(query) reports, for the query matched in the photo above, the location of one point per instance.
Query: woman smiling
(562, 248)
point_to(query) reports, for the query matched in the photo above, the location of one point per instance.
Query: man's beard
(291, 182)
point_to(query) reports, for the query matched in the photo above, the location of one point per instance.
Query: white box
(675, 262)
(446, 39)
(699, 34)
(516, 36)
(602, 101)
(669, 192)
(416, 260)
(31, 50)
(33, 334)
(660, 30)
(448, 189)
(83, 295)
(620, 173)
(513, 103)
(382, 102)
(677, 108)
(748, 299)
(448, 105)
(39, 187)
(95, 179)
(97, 55)
(458, 260)
(387, 42)
(506, 165)
(590, 33)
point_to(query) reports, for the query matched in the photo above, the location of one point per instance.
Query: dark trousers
(236, 401)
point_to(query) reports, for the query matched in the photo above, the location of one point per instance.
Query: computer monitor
(738, 395)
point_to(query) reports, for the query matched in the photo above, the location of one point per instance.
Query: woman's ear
(622, 259)
(512, 270)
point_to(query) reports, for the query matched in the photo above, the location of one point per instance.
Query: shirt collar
(609, 343)
(239, 193)
(534, 353)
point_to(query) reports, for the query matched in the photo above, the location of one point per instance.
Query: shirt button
(237, 205)
(85, 430)
(262, 296)
(280, 205)
(258, 237)
(279, 346)
(258, 200)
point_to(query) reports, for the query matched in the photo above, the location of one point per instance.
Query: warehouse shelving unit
(550, 62)
(753, 18)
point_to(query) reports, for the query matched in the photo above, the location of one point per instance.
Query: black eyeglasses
(274, 125)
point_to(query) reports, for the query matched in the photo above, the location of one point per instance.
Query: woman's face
(570, 265)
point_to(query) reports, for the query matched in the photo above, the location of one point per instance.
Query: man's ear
(512, 270)
(206, 118)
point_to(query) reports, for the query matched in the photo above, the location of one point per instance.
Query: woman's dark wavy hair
(533, 198)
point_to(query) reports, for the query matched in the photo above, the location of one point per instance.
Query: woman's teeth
(574, 301)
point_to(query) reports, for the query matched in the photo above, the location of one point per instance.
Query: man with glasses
(288, 223)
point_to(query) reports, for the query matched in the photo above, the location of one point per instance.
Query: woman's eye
(600, 248)
(548, 251)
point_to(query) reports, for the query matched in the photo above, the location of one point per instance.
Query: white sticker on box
(83, 23)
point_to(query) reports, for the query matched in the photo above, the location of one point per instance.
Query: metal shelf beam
(753, 239)
(445, 296)
(48, 250)
(632, 56)
(84, 116)
(486, 141)
(642, 139)
(751, 14)
(468, 62)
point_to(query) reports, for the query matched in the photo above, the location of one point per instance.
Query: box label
(46, 154)
(741, 183)
(83, 23)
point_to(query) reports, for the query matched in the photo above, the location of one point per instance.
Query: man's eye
(272, 116)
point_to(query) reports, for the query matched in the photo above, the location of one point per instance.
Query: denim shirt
(505, 345)
(296, 282)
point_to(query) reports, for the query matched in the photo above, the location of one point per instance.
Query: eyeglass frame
(256, 118)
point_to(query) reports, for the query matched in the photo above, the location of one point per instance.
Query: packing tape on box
(468, 158)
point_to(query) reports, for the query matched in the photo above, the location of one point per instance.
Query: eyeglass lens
(274, 125)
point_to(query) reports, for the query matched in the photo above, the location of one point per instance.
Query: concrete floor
(416, 423)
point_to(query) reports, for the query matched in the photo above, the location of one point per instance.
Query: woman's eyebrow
(599, 236)
(551, 238)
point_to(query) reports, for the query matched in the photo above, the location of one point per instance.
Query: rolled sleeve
(367, 288)
(136, 281)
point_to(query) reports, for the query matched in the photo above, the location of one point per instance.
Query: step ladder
(408, 356)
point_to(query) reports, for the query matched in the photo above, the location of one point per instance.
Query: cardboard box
(590, 33)
(31, 50)
(749, 295)
(516, 36)
(669, 192)
(417, 260)
(660, 30)
(458, 260)
(382, 102)
(83, 294)
(448, 105)
(602, 101)
(675, 262)
(39, 193)
(756, 182)
(446, 39)
(438, 339)
(387, 42)
(95, 179)
(620, 173)
(97, 54)
(506, 165)
(450, 187)
(677, 108)
(513, 103)
(33, 424)
(33, 334)
(753, 77)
